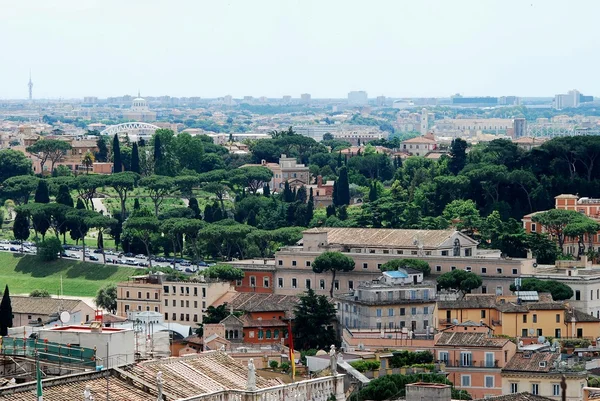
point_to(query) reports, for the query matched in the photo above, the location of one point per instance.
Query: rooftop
(470, 339)
(257, 302)
(42, 305)
(517, 397)
(539, 362)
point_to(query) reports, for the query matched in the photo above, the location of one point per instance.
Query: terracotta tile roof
(194, 339)
(83, 144)
(256, 302)
(530, 362)
(517, 397)
(470, 339)
(470, 302)
(42, 306)
(420, 139)
(385, 237)
(579, 316)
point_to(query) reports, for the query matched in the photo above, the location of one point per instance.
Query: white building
(358, 98)
(139, 111)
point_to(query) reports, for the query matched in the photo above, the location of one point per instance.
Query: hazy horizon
(431, 48)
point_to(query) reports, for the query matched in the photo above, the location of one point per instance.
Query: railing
(309, 390)
(445, 321)
(496, 322)
(472, 364)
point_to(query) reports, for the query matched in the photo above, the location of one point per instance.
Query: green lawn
(26, 273)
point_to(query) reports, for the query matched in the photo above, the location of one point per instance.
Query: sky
(213, 48)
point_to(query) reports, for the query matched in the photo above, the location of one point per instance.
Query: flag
(40, 397)
(291, 346)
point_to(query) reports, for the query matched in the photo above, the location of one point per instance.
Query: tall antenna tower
(30, 84)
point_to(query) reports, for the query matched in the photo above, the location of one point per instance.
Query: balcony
(446, 321)
(496, 322)
(472, 364)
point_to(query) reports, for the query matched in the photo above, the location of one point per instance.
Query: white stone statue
(87, 394)
(251, 386)
(333, 358)
(159, 385)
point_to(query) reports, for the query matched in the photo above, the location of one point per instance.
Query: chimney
(319, 180)
(428, 391)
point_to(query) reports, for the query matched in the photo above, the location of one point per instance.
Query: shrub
(408, 358)
(365, 366)
(39, 294)
(49, 249)
(273, 364)
(285, 367)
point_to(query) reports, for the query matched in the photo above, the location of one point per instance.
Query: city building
(444, 250)
(179, 301)
(305, 98)
(419, 146)
(571, 99)
(539, 370)
(380, 101)
(474, 359)
(258, 275)
(528, 143)
(449, 126)
(358, 98)
(358, 137)
(286, 170)
(43, 311)
(424, 122)
(316, 131)
(139, 111)
(519, 128)
(397, 299)
(322, 192)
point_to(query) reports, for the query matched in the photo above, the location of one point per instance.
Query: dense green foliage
(313, 322)
(559, 291)
(391, 387)
(459, 280)
(365, 365)
(332, 262)
(408, 358)
(416, 264)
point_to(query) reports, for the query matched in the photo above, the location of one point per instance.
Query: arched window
(268, 333)
(276, 333)
(456, 250)
(230, 334)
(235, 334)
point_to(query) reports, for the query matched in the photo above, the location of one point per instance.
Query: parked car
(186, 263)
(202, 263)
(129, 255)
(131, 262)
(13, 249)
(143, 264)
(111, 260)
(122, 261)
(93, 257)
(97, 250)
(73, 255)
(140, 256)
(160, 259)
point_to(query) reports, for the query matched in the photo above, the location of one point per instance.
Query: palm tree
(88, 161)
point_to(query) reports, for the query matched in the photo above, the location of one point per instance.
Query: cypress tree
(288, 195)
(193, 204)
(310, 208)
(208, 214)
(6, 315)
(342, 213)
(339, 159)
(80, 204)
(217, 213)
(301, 194)
(334, 195)
(64, 196)
(21, 227)
(100, 240)
(135, 159)
(117, 162)
(41, 193)
(136, 204)
(373, 191)
(330, 210)
(267, 191)
(291, 213)
(157, 151)
(251, 218)
(343, 187)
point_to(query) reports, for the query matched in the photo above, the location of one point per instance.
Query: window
(483, 314)
(484, 289)
(557, 333)
(174, 316)
(174, 303)
(535, 389)
(294, 283)
(321, 284)
(156, 295)
(294, 263)
(514, 388)
(499, 290)
(268, 334)
(453, 268)
(266, 282)
(182, 290)
(390, 312)
(127, 294)
(187, 317)
(187, 290)
(438, 268)
(350, 284)
(443, 356)
(280, 283)
(534, 318)
(499, 270)
(523, 332)
(182, 303)
(540, 332)
(465, 380)
(402, 312)
(280, 262)
(378, 312)
(166, 302)
(533, 227)
(166, 316)
(307, 283)
(558, 318)
(483, 270)
(489, 381)
(187, 304)
(515, 271)
(174, 290)
(468, 268)
(524, 318)
(468, 252)
(196, 290)
(426, 310)
(260, 334)
(195, 318)
(444, 253)
(466, 359)
(555, 389)
(379, 266)
(139, 295)
(336, 285)
(489, 360)
(252, 281)
(577, 295)
(365, 265)
(276, 333)
(165, 288)
(426, 294)
(307, 263)
(203, 292)
(126, 308)
(413, 311)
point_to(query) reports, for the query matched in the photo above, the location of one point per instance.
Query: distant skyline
(272, 48)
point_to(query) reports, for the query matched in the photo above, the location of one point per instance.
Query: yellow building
(508, 317)
(540, 373)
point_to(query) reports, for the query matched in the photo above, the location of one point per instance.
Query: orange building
(258, 276)
(474, 359)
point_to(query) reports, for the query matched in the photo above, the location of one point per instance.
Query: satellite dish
(541, 340)
(454, 321)
(531, 332)
(65, 317)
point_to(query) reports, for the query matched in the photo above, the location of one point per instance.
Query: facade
(474, 359)
(397, 300)
(507, 316)
(34, 311)
(528, 143)
(322, 192)
(358, 98)
(139, 111)
(179, 301)
(286, 170)
(258, 276)
(540, 373)
(472, 125)
(419, 146)
(356, 137)
(444, 250)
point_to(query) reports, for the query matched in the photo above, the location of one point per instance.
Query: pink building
(288, 169)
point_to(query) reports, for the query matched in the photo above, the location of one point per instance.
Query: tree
(157, 151)
(135, 159)
(49, 149)
(559, 291)
(458, 154)
(39, 294)
(343, 187)
(224, 272)
(460, 280)
(102, 153)
(80, 205)
(394, 386)
(64, 196)
(117, 161)
(543, 248)
(214, 314)
(88, 160)
(21, 227)
(6, 315)
(13, 163)
(333, 262)
(122, 183)
(41, 193)
(106, 298)
(416, 264)
(49, 249)
(220, 190)
(158, 187)
(253, 178)
(143, 228)
(464, 214)
(193, 205)
(100, 241)
(313, 322)
(19, 188)
(554, 222)
(579, 228)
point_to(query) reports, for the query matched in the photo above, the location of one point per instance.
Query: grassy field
(26, 273)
